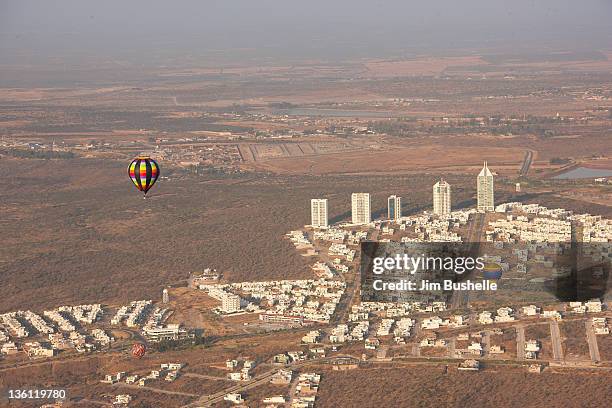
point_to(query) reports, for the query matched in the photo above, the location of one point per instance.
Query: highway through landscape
(555, 335)
(526, 163)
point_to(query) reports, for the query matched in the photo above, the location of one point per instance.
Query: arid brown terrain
(242, 150)
(434, 387)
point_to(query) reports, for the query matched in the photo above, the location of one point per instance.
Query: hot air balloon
(143, 172)
(138, 350)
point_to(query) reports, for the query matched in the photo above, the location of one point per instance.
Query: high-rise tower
(318, 213)
(442, 198)
(394, 207)
(361, 205)
(484, 184)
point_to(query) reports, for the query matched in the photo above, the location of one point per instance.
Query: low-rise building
(234, 398)
(469, 365)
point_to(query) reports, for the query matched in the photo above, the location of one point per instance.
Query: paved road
(293, 388)
(342, 309)
(526, 163)
(153, 389)
(555, 336)
(451, 347)
(461, 298)
(204, 376)
(520, 342)
(93, 402)
(486, 343)
(592, 340)
(211, 400)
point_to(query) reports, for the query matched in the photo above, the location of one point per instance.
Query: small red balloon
(139, 350)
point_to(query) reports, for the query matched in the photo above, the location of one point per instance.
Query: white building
(234, 397)
(122, 400)
(169, 332)
(484, 185)
(442, 198)
(276, 399)
(165, 297)
(318, 213)
(230, 303)
(394, 207)
(361, 205)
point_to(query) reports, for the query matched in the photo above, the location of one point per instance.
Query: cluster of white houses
(428, 227)
(64, 328)
(522, 229)
(284, 301)
(241, 369)
(57, 328)
(358, 327)
(168, 371)
(151, 320)
(600, 325)
(538, 223)
(372, 321)
(56, 331)
(305, 392)
(544, 233)
(61, 319)
(361, 203)
(133, 314)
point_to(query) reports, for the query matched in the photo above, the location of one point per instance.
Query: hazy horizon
(35, 32)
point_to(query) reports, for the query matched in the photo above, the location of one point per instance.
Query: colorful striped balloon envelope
(143, 172)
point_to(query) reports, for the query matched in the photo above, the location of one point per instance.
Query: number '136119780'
(37, 394)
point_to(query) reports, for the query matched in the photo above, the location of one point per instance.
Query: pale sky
(286, 28)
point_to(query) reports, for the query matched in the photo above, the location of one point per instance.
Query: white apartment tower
(394, 207)
(361, 205)
(230, 303)
(442, 198)
(486, 201)
(165, 296)
(318, 213)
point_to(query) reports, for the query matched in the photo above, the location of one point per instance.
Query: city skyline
(441, 200)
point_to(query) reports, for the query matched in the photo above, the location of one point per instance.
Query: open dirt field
(406, 159)
(422, 386)
(420, 66)
(574, 344)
